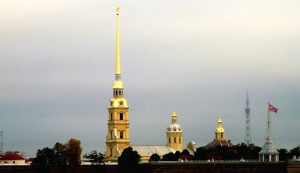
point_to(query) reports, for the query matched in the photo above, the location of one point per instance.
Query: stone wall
(184, 167)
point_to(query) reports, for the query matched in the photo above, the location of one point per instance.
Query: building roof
(148, 150)
(12, 156)
(216, 143)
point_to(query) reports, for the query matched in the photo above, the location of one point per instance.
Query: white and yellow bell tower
(174, 134)
(117, 138)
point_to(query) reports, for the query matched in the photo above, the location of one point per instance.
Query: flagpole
(269, 137)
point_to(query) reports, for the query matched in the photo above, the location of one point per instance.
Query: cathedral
(117, 138)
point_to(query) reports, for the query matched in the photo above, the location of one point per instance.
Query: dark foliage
(169, 157)
(44, 160)
(129, 161)
(228, 153)
(95, 157)
(154, 157)
(283, 154)
(295, 152)
(64, 156)
(185, 155)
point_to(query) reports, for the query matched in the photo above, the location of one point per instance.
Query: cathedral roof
(148, 150)
(216, 143)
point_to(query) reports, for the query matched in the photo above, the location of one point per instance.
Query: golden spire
(118, 63)
(118, 83)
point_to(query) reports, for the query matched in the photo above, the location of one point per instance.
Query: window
(120, 93)
(111, 152)
(179, 140)
(111, 116)
(111, 134)
(175, 140)
(174, 129)
(169, 140)
(121, 134)
(121, 116)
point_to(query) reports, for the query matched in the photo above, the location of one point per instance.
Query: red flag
(272, 108)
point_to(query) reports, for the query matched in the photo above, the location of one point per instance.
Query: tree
(94, 157)
(169, 157)
(254, 151)
(74, 154)
(129, 161)
(44, 160)
(295, 152)
(154, 157)
(185, 155)
(61, 156)
(201, 153)
(283, 154)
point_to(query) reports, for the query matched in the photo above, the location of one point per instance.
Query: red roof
(12, 156)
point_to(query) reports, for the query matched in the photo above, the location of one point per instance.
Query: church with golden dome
(118, 133)
(220, 137)
(117, 138)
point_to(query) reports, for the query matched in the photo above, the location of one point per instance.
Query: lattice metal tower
(247, 122)
(1, 141)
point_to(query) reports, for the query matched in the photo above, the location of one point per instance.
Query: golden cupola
(220, 137)
(220, 132)
(174, 134)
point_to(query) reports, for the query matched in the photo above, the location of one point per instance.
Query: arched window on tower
(175, 140)
(111, 116)
(121, 134)
(121, 116)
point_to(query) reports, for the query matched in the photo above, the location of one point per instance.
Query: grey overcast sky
(197, 57)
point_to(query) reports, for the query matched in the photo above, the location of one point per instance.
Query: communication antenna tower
(1, 141)
(247, 122)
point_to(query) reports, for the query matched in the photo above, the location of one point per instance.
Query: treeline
(66, 157)
(237, 152)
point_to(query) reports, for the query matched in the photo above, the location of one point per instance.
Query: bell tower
(174, 134)
(117, 138)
